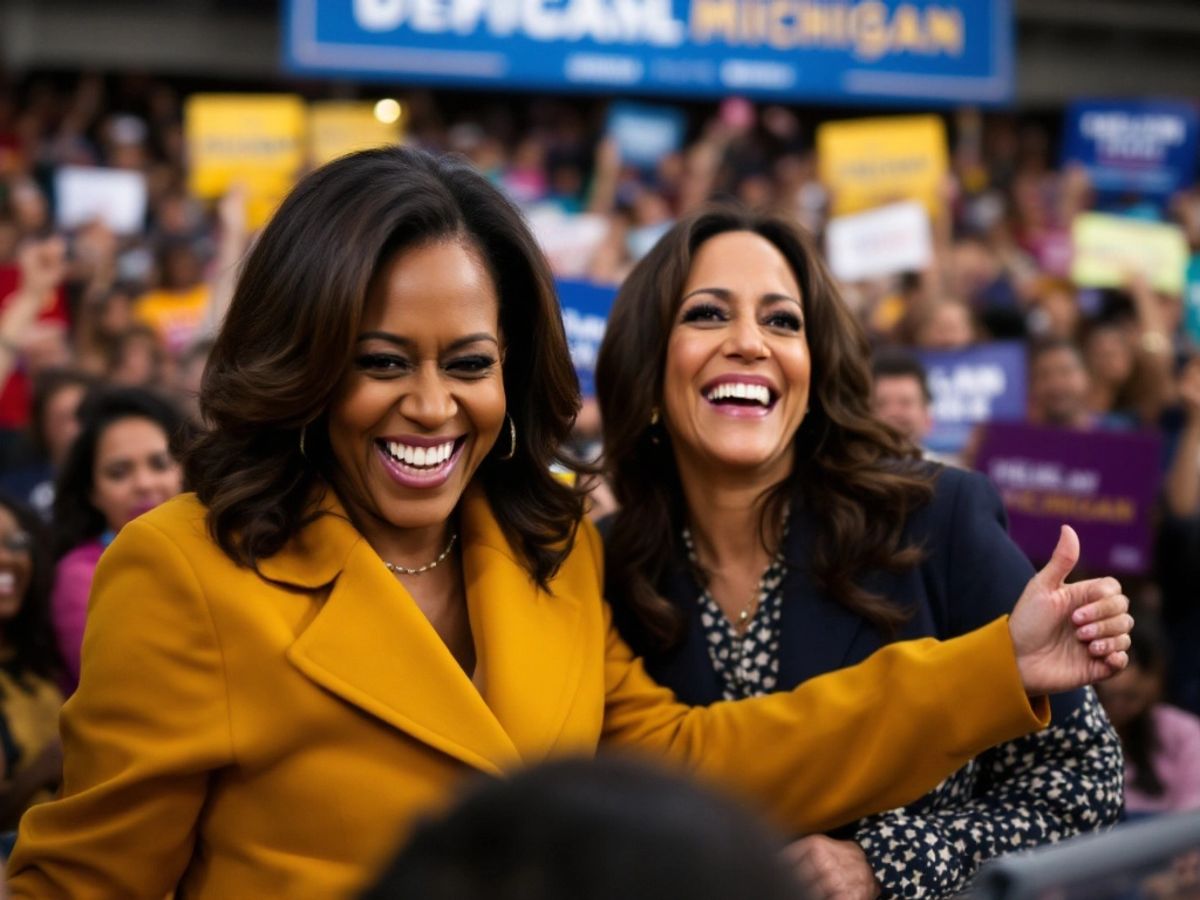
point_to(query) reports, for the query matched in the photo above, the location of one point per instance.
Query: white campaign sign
(115, 196)
(883, 241)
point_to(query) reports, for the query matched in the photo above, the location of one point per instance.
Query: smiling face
(16, 564)
(134, 471)
(423, 401)
(736, 384)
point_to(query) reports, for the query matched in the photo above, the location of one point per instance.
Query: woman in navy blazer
(771, 531)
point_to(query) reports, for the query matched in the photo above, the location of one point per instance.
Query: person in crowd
(125, 462)
(380, 586)
(1060, 389)
(29, 666)
(770, 531)
(137, 358)
(1161, 742)
(33, 320)
(900, 397)
(945, 324)
(177, 309)
(103, 317)
(188, 375)
(1178, 554)
(581, 829)
(53, 426)
(1055, 311)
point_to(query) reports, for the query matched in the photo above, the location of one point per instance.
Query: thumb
(1062, 561)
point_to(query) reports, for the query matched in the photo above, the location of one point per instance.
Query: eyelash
(465, 366)
(708, 312)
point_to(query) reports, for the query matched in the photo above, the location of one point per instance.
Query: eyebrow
(727, 295)
(408, 343)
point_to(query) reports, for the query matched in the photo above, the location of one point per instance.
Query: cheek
(109, 494)
(685, 359)
(356, 408)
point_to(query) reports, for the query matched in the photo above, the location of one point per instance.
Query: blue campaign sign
(985, 383)
(926, 51)
(645, 134)
(585, 309)
(1134, 146)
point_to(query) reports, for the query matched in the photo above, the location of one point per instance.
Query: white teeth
(423, 457)
(8, 582)
(738, 390)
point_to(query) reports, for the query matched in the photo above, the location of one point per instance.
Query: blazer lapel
(371, 645)
(527, 640)
(817, 633)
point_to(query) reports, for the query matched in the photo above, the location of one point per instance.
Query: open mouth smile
(420, 462)
(740, 397)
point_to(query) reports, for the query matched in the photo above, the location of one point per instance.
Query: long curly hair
(289, 336)
(860, 478)
(76, 517)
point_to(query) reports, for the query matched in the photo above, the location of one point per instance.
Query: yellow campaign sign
(256, 140)
(866, 163)
(336, 128)
(1110, 249)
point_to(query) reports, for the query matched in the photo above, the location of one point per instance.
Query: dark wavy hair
(289, 336)
(76, 519)
(30, 635)
(860, 477)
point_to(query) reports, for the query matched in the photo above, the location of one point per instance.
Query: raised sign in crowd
(1030, 292)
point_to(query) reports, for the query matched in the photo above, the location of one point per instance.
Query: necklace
(405, 570)
(742, 621)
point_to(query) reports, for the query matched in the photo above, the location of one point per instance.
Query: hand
(1069, 635)
(832, 870)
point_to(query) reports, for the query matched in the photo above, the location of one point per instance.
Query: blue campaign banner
(1138, 147)
(921, 51)
(645, 134)
(585, 309)
(985, 383)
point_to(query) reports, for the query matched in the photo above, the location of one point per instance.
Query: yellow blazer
(275, 734)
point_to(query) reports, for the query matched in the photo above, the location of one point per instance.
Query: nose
(145, 479)
(428, 403)
(744, 340)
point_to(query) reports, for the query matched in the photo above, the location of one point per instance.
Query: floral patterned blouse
(1032, 791)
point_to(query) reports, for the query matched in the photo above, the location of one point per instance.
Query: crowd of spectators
(98, 327)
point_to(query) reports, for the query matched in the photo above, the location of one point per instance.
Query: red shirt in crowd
(15, 396)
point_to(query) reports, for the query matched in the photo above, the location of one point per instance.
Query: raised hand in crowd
(1182, 486)
(1152, 378)
(233, 238)
(42, 265)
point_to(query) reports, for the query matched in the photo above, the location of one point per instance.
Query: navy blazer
(972, 573)
(1060, 782)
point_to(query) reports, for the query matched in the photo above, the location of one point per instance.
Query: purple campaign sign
(1101, 483)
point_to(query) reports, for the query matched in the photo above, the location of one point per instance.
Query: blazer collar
(371, 645)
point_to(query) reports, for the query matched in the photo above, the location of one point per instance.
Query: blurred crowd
(103, 339)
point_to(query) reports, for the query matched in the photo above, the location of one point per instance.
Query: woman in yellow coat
(378, 588)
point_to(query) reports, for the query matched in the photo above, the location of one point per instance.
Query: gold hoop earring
(512, 439)
(303, 430)
(653, 416)
(653, 428)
